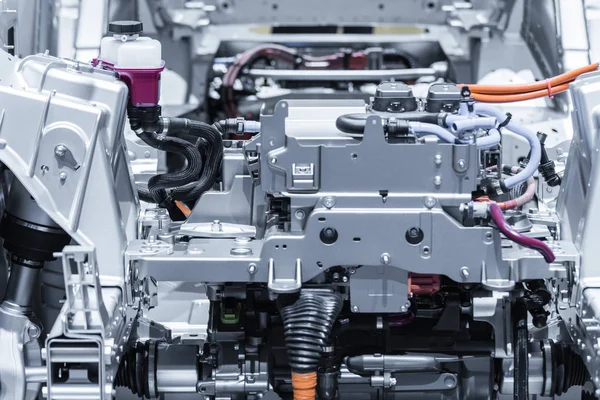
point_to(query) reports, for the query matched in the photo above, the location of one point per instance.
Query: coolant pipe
(471, 124)
(491, 140)
(517, 237)
(528, 134)
(423, 128)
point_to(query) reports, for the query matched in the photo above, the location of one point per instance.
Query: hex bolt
(329, 202)
(60, 150)
(273, 160)
(437, 180)
(430, 202)
(461, 163)
(385, 258)
(300, 214)
(449, 381)
(344, 279)
(252, 269)
(62, 176)
(34, 331)
(437, 159)
(355, 309)
(464, 272)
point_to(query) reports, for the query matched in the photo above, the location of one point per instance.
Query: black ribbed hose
(307, 325)
(158, 184)
(211, 143)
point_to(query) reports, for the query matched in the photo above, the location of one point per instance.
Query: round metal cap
(125, 27)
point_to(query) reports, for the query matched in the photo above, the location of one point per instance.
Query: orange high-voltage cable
(508, 98)
(534, 86)
(304, 385)
(527, 91)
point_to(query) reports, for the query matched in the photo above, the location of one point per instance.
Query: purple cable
(518, 238)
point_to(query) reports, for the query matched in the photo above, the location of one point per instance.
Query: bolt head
(329, 202)
(385, 258)
(437, 180)
(355, 309)
(461, 163)
(449, 381)
(300, 214)
(352, 271)
(60, 150)
(34, 331)
(273, 160)
(62, 176)
(344, 279)
(252, 269)
(464, 272)
(437, 159)
(430, 202)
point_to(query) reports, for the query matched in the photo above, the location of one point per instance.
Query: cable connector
(237, 126)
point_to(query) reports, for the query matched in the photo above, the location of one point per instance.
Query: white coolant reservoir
(137, 60)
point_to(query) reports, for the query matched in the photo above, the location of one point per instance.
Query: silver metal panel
(86, 188)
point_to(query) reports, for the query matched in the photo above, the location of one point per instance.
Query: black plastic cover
(395, 97)
(443, 97)
(125, 27)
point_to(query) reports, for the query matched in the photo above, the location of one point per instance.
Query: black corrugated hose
(211, 142)
(158, 184)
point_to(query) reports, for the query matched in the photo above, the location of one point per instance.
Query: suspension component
(307, 325)
(30, 238)
(554, 367)
(151, 368)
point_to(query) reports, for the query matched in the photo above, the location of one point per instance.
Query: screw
(300, 214)
(449, 381)
(413, 232)
(488, 236)
(464, 272)
(548, 189)
(461, 163)
(385, 258)
(45, 169)
(393, 381)
(355, 309)
(216, 226)
(344, 279)
(403, 309)
(429, 202)
(273, 160)
(147, 154)
(60, 150)
(559, 151)
(437, 159)
(437, 181)
(352, 271)
(34, 331)
(329, 202)
(62, 176)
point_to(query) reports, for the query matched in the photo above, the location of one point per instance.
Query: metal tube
(21, 284)
(36, 374)
(342, 75)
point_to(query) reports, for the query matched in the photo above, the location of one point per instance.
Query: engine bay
(334, 213)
